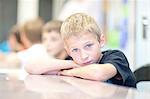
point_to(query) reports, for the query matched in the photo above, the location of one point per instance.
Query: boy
(83, 40)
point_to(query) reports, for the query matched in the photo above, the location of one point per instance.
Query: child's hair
(79, 23)
(33, 30)
(53, 25)
(15, 31)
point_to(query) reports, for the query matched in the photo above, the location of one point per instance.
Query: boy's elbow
(104, 74)
(32, 70)
(99, 77)
(28, 69)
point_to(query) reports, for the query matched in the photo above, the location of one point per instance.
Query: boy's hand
(66, 73)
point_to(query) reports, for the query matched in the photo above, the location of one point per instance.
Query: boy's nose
(84, 55)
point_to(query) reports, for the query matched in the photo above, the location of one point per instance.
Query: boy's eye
(88, 45)
(74, 50)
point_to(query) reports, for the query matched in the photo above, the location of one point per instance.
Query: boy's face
(85, 48)
(53, 43)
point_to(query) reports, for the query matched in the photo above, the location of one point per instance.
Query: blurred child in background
(52, 40)
(14, 43)
(10, 47)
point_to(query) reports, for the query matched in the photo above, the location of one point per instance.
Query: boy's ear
(102, 40)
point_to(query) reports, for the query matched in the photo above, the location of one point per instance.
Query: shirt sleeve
(119, 60)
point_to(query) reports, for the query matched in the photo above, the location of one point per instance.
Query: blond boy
(83, 41)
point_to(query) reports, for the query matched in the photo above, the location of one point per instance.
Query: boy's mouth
(88, 62)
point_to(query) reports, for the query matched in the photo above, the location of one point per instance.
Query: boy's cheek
(77, 61)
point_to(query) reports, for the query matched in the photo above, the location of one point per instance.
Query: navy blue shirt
(124, 76)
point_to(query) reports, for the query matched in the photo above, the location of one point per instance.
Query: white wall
(27, 9)
(142, 44)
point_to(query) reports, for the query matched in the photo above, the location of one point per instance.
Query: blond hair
(53, 25)
(79, 23)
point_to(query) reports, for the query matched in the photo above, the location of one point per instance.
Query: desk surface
(61, 87)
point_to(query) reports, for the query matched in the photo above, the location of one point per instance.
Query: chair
(142, 75)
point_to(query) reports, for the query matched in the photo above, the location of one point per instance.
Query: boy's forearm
(93, 72)
(83, 72)
(44, 66)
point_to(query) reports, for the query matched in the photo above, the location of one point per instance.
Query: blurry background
(125, 23)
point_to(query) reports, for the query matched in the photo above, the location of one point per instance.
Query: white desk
(61, 87)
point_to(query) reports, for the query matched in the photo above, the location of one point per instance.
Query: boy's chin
(87, 63)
